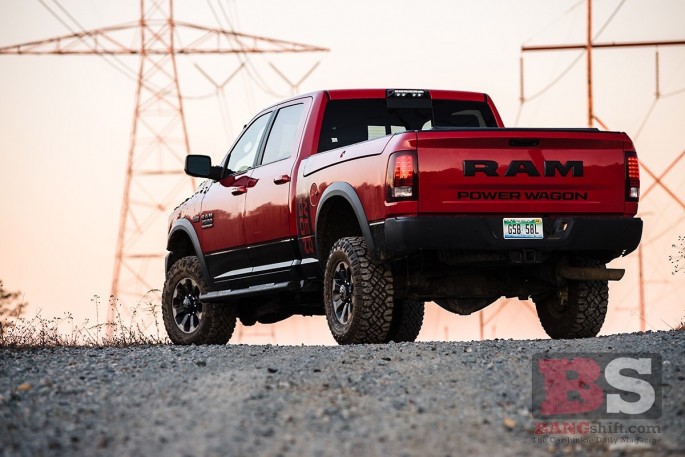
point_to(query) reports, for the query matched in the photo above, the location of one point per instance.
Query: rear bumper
(406, 235)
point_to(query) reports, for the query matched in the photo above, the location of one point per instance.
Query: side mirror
(200, 166)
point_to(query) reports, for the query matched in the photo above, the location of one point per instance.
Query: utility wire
(650, 111)
(121, 68)
(518, 115)
(216, 16)
(200, 97)
(246, 80)
(228, 20)
(232, 5)
(645, 119)
(244, 57)
(611, 17)
(218, 93)
(222, 100)
(199, 68)
(554, 21)
(59, 5)
(560, 76)
(666, 231)
(675, 92)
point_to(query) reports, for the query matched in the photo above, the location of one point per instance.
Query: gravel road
(423, 399)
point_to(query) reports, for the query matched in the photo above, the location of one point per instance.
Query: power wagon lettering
(533, 195)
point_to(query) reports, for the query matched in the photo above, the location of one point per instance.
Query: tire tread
(406, 322)
(373, 307)
(588, 303)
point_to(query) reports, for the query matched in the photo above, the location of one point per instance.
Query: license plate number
(522, 228)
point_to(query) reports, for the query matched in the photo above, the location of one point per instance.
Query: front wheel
(358, 294)
(188, 320)
(578, 309)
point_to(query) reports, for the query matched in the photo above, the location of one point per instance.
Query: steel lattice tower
(154, 180)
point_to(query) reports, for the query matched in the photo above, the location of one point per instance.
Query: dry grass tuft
(139, 325)
(680, 326)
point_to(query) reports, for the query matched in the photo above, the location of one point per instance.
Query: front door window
(245, 150)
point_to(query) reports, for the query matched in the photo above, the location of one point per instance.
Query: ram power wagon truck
(363, 205)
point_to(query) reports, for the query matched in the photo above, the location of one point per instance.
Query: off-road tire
(407, 319)
(216, 322)
(368, 294)
(582, 314)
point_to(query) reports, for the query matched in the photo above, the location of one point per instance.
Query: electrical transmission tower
(159, 139)
(589, 46)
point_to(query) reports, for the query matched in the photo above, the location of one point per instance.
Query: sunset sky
(65, 122)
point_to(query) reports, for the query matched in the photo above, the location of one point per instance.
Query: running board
(254, 290)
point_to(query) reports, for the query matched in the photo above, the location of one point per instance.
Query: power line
(228, 20)
(216, 16)
(646, 118)
(122, 68)
(249, 65)
(606, 23)
(554, 82)
(561, 75)
(243, 57)
(554, 21)
(675, 92)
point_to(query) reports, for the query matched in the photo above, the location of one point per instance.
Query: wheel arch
(340, 213)
(183, 242)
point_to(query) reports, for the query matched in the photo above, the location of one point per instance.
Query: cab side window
(244, 152)
(282, 141)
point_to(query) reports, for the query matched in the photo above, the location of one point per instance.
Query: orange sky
(65, 123)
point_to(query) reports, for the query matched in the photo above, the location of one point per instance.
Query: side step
(254, 290)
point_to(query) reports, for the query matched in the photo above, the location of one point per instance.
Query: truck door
(269, 226)
(223, 231)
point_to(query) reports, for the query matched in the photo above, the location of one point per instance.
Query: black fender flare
(346, 191)
(184, 226)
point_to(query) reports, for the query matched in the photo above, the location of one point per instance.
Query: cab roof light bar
(408, 98)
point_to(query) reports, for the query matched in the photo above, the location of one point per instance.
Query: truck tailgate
(521, 171)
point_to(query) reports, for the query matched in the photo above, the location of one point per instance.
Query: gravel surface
(423, 399)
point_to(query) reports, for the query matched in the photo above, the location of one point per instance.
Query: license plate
(522, 228)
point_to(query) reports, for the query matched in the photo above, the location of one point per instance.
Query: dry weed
(137, 325)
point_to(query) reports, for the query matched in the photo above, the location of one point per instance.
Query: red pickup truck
(364, 204)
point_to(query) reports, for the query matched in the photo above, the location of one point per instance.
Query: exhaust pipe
(591, 274)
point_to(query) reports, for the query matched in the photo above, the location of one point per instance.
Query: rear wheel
(578, 308)
(358, 294)
(188, 320)
(407, 319)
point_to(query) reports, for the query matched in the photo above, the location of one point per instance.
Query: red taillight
(402, 177)
(632, 176)
(404, 171)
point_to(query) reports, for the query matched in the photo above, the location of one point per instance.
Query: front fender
(183, 229)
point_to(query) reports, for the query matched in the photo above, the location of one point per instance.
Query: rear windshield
(347, 122)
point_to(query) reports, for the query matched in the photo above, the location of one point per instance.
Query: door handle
(238, 190)
(281, 179)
